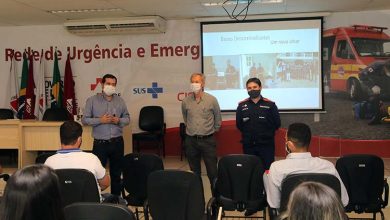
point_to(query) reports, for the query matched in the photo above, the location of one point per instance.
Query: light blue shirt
(96, 106)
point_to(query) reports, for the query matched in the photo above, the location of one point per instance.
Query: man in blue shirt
(107, 113)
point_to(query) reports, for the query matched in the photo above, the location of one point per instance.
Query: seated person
(298, 160)
(70, 156)
(315, 201)
(32, 193)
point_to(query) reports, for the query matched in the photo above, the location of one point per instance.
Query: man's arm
(276, 117)
(88, 118)
(104, 182)
(124, 118)
(239, 118)
(184, 111)
(217, 115)
(272, 191)
(344, 193)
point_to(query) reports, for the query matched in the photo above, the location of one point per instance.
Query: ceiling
(36, 12)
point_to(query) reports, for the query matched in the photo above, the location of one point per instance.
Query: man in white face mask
(107, 113)
(202, 116)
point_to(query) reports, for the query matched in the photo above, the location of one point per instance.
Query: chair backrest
(293, 180)
(151, 118)
(97, 211)
(136, 169)
(6, 113)
(41, 158)
(77, 185)
(175, 195)
(239, 184)
(55, 114)
(363, 177)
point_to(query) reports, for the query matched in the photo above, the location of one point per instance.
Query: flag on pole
(14, 87)
(56, 87)
(23, 85)
(40, 101)
(69, 99)
(30, 95)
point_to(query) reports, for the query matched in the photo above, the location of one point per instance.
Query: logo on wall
(154, 90)
(93, 86)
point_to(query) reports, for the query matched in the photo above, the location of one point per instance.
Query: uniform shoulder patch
(243, 100)
(267, 100)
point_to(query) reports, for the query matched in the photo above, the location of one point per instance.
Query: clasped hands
(109, 119)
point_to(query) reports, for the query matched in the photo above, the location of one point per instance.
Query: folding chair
(136, 169)
(77, 185)
(238, 187)
(97, 211)
(174, 195)
(363, 177)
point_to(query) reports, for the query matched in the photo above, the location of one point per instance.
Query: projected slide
(284, 55)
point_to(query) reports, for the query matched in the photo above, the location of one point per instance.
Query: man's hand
(115, 120)
(106, 119)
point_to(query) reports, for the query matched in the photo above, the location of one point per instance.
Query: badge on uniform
(245, 119)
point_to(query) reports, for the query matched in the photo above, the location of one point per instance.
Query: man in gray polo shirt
(202, 116)
(107, 113)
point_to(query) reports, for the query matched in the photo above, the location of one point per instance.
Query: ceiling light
(234, 2)
(86, 10)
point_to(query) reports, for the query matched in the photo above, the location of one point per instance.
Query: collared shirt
(96, 106)
(77, 159)
(257, 121)
(297, 163)
(203, 117)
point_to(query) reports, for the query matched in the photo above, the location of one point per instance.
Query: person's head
(108, 84)
(298, 137)
(197, 82)
(70, 134)
(314, 201)
(32, 193)
(253, 86)
(386, 68)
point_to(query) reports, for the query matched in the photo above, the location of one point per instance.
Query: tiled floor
(175, 163)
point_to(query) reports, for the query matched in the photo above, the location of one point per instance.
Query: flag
(69, 101)
(40, 101)
(56, 87)
(23, 85)
(30, 95)
(13, 87)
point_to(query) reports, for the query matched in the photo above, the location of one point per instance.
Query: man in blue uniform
(375, 85)
(258, 118)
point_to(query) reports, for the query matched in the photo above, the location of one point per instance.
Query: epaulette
(243, 100)
(267, 100)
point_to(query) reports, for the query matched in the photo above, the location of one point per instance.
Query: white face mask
(109, 90)
(196, 87)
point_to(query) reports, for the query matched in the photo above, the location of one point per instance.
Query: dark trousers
(265, 152)
(202, 148)
(111, 151)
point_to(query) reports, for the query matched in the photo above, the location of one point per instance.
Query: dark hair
(254, 80)
(110, 76)
(314, 201)
(69, 132)
(299, 134)
(32, 193)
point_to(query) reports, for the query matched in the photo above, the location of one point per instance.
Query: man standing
(70, 156)
(258, 118)
(107, 113)
(298, 160)
(202, 116)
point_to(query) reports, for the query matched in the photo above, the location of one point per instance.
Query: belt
(201, 136)
(111, 140)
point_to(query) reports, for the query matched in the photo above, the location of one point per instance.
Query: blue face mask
(254, 93)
